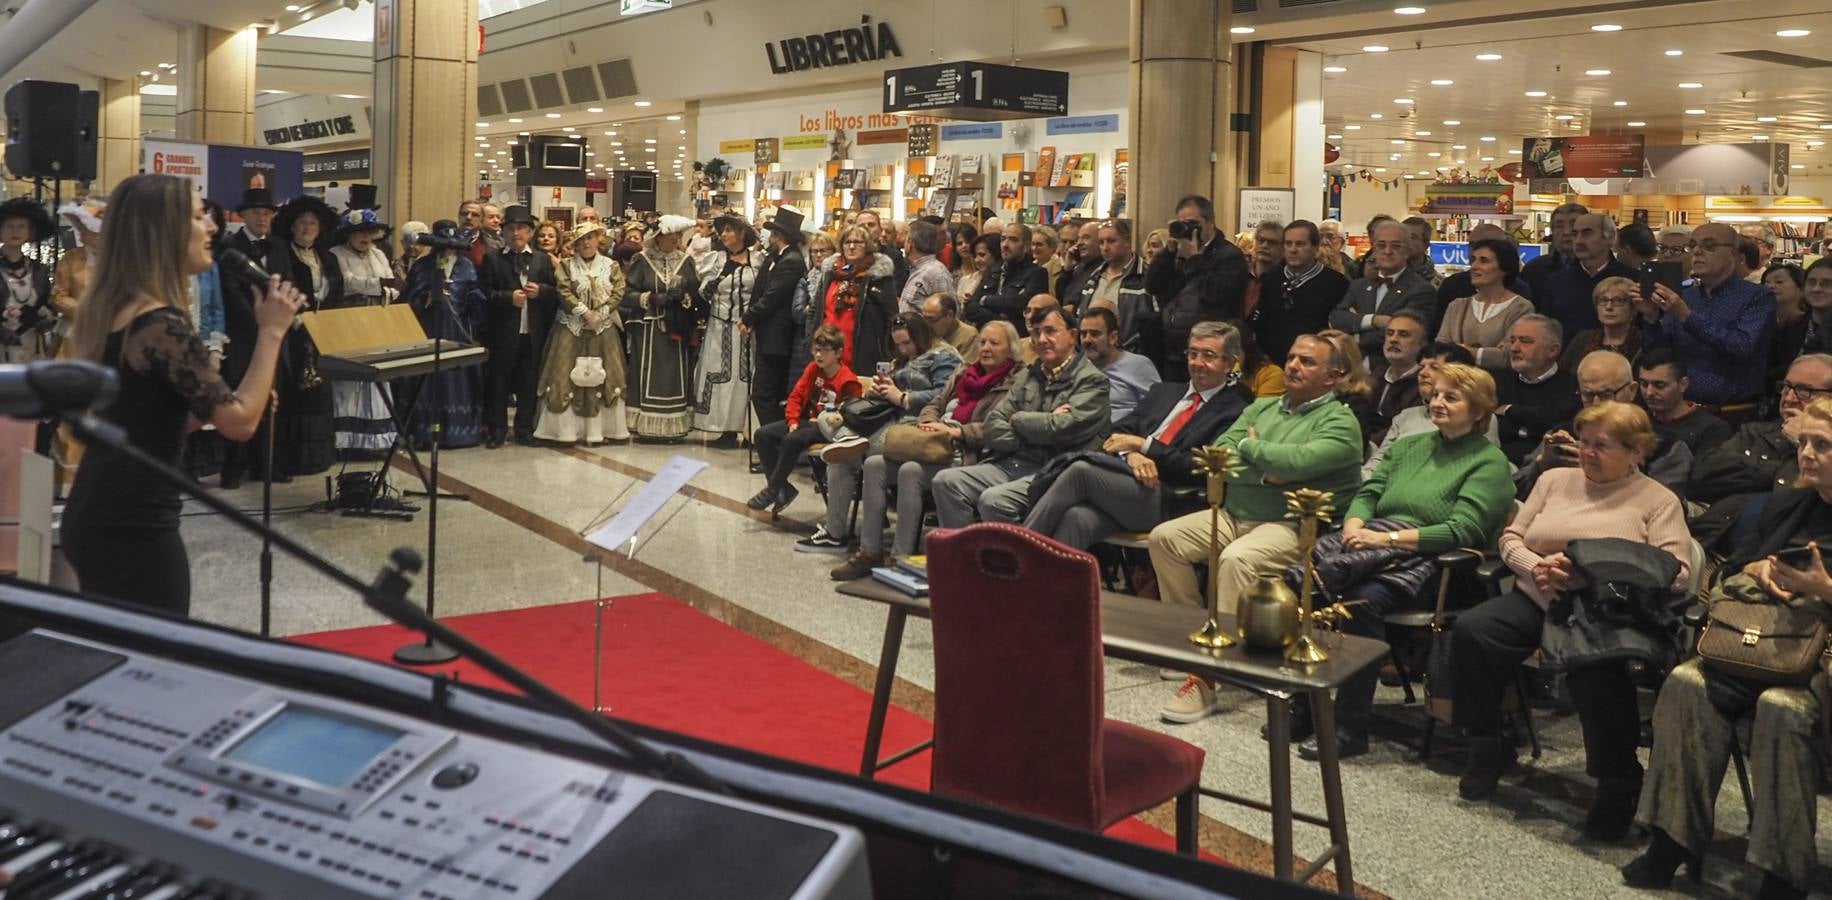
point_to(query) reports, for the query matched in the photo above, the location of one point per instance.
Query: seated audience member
(1119, 285)
(1416, 419)
(1605, 496)
(1602, 377)
(1299, 298)
(1537, 394)
(1431, 493)
(1695, 718)
(1356, 389)
(1615, 302)
(823, 386)
(1257, 371)
(960, 410)
(1570, 291)
(1305, 439)
(1736, 478)
(1480, 320)
(1389, 286)
(942, 312)
(1119, 488)
(1395, 377)
(925, 364)
(1720, 324)
(1056, 405)
(1129, 375)
(1662, 377)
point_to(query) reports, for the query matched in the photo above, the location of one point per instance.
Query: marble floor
(516, 543)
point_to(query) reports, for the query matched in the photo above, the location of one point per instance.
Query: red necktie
(1183, 418)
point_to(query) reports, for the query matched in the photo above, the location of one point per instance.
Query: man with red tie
(1122, 487)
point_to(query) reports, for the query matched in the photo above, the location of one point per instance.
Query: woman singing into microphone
(120, 529)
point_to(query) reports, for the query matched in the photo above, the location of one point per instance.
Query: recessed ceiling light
(1816, 143)
(1410, 11)
(1488, 159)
(1396, 141)
(674, 118)
(1375, 116)
(477, 154)
(683, 131)
(1695, 112)
(616, 143)
(1403, 101)
(1536, 93)
(1676, 53)
(1453, 121)
(1335, 137)
(553, 115)
(1487, 57)
(512, 142)
(1394, 156)
(1488, 139)
(1792, 32)
(1597, 72)
(1637, 124)
(1621, 103)
(1759, 137)
(1690, 85)
(1459, 146)
(610, 134)
(1606, 27)
(1434, 154)
(1564, 117)
(569, 128)
(644, 103)
(146, 73)
(1380, 169)
(1422, 133)
(1514, 152)
(1461, 162)
(648, 140)
(1767, 119)
(1374, 48)
(515, 121)
(1335, 70)
(1827, 126)
(1240, 29)
(1442, 82)
(594, 109)
(1797, 165)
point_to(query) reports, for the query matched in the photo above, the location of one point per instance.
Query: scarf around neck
(974, 384)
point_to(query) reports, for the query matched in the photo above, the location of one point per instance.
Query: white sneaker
(845, 450)
(1172, 674)
(1196, 700)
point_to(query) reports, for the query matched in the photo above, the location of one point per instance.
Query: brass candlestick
(1220, 465)
(1311, 508)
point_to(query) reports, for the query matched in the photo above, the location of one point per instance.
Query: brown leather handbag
(1759, 639)
(909, 443)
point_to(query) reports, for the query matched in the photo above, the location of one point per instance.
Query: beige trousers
(1248, 550)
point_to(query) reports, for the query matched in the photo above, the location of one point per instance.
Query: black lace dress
(120, 529)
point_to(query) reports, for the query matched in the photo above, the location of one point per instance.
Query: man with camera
(1199, 277)
(524, 297)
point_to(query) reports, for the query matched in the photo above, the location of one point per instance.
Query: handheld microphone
(442, 243)
(239, 262)
(64, 387)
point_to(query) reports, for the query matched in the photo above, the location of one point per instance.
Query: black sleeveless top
(166, 380)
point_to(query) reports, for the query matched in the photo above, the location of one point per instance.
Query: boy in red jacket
(823, 386)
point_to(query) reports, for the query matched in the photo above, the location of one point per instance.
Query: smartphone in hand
(1800, 558)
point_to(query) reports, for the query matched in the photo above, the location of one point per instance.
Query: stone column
(1288, 133)
(117, 133)
(1179, 107)
(425, 107)
(216, 85)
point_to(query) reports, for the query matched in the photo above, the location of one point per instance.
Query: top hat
(257, 198)
(363, 196)
(518, 215)
(788, 223)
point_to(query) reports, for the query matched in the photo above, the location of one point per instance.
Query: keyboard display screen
(305, 743)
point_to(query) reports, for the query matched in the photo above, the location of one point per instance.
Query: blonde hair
(146, 239)
(871, 243)
(822, 237)
(1354, 381)
(1611, 285)
(1625, 423)
(1476, 386)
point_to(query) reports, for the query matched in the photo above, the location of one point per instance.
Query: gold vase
(1267, 617)
(1219, 464)
(1311, 508)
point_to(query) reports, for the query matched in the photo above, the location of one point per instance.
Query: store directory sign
(975, 91)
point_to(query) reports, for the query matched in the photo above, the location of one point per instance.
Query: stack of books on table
(910, 575)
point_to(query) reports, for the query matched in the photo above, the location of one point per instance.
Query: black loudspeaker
(88, 136)
(41, 129)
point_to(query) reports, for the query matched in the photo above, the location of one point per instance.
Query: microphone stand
(388, 596)
(430, 651)
(267, 521)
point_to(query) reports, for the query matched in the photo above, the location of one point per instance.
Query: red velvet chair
(1019, 689)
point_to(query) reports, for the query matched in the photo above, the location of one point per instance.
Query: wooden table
(1157, 634)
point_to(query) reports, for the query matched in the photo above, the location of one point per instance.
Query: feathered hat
(43, 226)
(307, 206)
(362, 220)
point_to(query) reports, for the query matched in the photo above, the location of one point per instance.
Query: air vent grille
(515, 96)
(547, 90)
(489, 102)
(1782, 59)
(618, 77)
(581, 87)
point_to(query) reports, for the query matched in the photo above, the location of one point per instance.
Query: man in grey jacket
(1389, 286)
(1057, 405)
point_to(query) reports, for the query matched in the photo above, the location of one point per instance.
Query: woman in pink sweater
(1606, 496)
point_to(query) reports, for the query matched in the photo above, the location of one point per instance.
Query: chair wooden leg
(1399, 665)
(1736, 756)
(1189, 820)
(1526, 708)
(1431, 731)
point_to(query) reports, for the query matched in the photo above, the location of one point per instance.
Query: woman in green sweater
(1432, 492)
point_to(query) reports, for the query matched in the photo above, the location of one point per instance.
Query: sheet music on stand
(627, 532)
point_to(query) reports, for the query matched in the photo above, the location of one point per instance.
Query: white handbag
(588, 371)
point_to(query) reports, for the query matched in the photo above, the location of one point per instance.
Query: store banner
(737, 146)
(805, 142)
(185, 160)
(235, 169)
(977, 92)
(1719, 168)
(346, 165)
(987, 131)
(884, 136)
(1456, 253)
(1594, 156)
(1469, 199)
(1083, 124)
(311, 120)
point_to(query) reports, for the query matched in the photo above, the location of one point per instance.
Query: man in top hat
(769, 318)
(524, 297)
(256, 210)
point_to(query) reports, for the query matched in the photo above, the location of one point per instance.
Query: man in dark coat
(769, 317)
(524, 297)
(1200, 276)
(1299, 298)
(1007, 288)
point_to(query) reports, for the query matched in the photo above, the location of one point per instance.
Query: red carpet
(670, 666)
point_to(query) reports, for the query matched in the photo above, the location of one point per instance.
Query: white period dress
(360, 410)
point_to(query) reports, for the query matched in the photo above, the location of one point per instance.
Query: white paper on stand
(621, 529)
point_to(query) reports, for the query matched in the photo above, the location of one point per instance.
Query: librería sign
(336, 126)
(844, 47)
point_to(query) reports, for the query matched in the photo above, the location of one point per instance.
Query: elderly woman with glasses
(1615, 304)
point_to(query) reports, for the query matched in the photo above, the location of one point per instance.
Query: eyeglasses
(1802, 391)
(1673, 249)
(1611, 301)
(1709, 246)
(1605, 394)
(1207, 356)
(852, 243)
